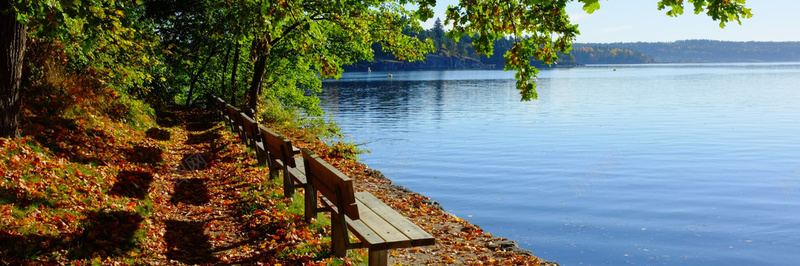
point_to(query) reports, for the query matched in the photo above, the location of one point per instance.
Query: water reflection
(432, 94)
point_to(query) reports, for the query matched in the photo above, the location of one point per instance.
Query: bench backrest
(332, 184)
(219, 106)
(250, 129)
(278, 147)
(233, 114)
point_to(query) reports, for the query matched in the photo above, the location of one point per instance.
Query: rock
(375, 173)
(433, 204)
(403, 189)
(509, 245)
(470, 228)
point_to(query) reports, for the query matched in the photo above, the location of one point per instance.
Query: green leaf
(591, 5)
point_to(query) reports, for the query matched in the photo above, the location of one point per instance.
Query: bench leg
(378, 257)
(261, 156)
(288, 185)
(339, 237)
(310, 202)
(273, 171)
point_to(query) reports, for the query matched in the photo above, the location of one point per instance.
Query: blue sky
(639, 20)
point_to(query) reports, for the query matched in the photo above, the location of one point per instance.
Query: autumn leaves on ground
(97, 178)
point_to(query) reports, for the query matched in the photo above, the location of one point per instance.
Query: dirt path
(194, 218)
(214, 205)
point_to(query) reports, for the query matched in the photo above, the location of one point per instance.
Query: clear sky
(640, 20)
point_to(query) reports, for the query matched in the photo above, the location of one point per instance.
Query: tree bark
(233, 73)
(255, 86)
(225, 69)
(12, 49)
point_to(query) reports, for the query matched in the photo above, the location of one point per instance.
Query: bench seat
(298, 173)
(380, 227)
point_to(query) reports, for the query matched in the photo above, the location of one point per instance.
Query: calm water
(655, 164)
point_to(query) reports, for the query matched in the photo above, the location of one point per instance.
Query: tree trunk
(12, 50)
(255, 86)
(233, 73)
(224, 69)
(197, 76)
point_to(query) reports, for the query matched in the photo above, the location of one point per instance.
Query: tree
(12, 43)
(295, 43)
(438, 31)
(105, 35)
(193, 32)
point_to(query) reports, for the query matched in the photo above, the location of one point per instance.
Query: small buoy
(390, 75)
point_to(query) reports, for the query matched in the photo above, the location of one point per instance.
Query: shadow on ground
(191, 191)
(158, 134)
(22, 200)
(68, 139)
(167, 118)
(132, 184)
(188, 243)
(105, 234)
(145, 155)
(199, 138)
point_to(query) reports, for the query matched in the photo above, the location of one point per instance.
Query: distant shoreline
(688, 51)
(564, 66)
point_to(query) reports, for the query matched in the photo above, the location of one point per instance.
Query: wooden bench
(377, 226)
(219, 108)
(236, 123)
(281, 158)
(253, 137)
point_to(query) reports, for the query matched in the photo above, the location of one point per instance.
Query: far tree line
(684, 51)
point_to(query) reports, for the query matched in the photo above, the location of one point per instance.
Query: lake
(690, 164)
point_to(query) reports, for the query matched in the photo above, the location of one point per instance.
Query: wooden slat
(416, 235)
(368, 237)
(298, 173)
(385, 230)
